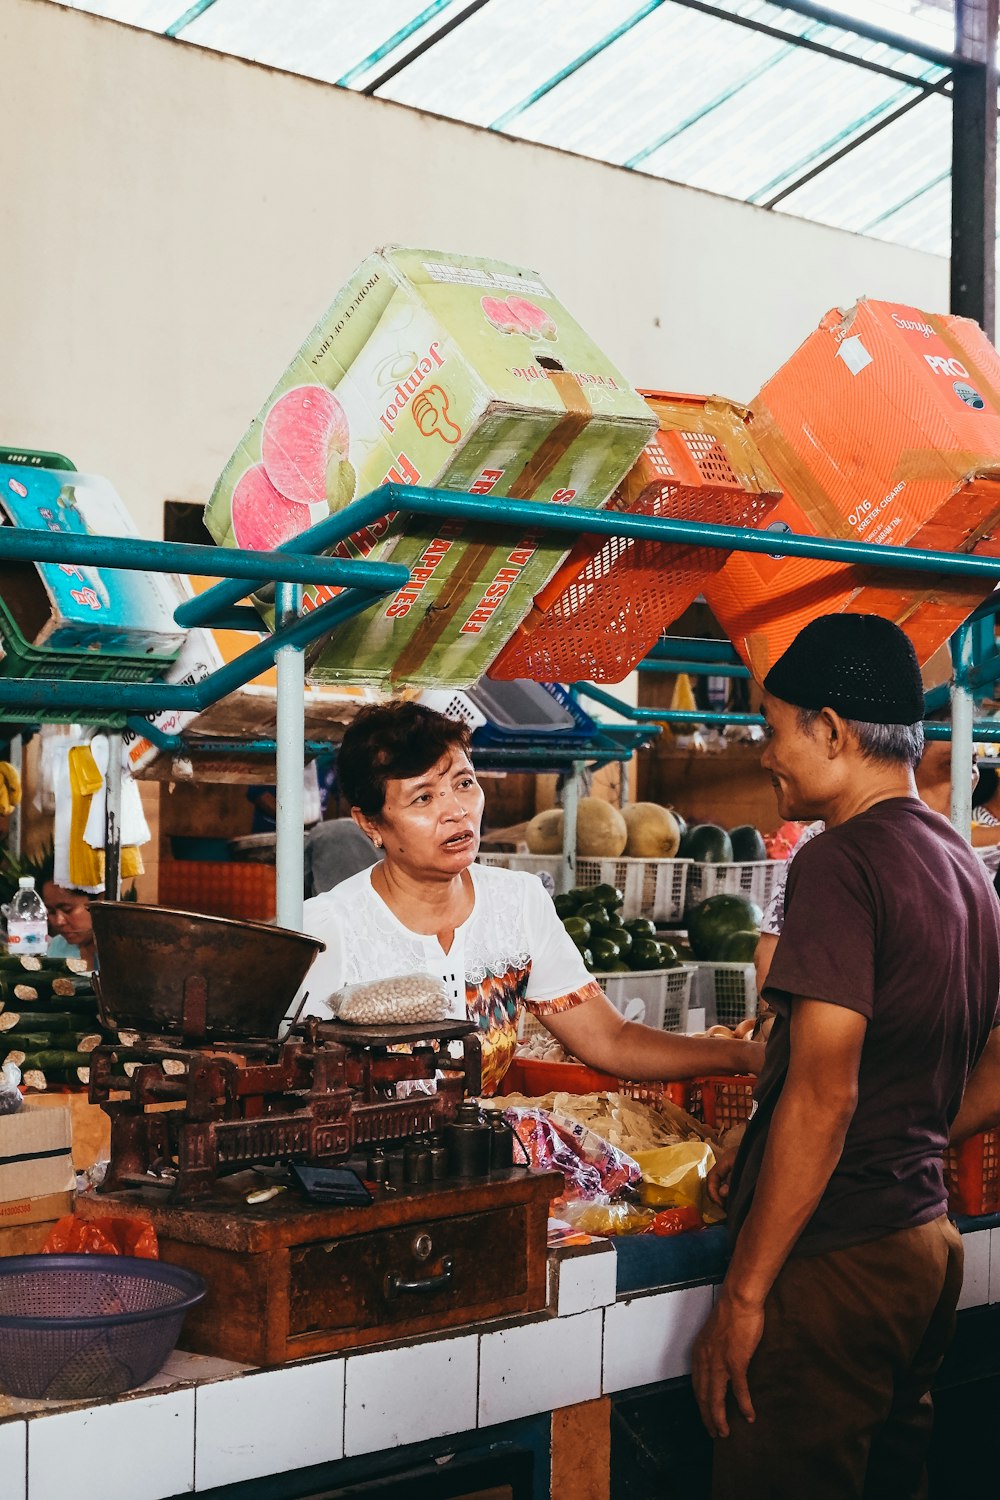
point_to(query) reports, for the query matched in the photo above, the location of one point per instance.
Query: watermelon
(748, 845)
(712, 922)
(708, 844)
(739, 947)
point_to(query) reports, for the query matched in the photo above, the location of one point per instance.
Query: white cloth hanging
(134, 828)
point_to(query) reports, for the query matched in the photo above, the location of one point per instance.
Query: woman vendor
(492, 936)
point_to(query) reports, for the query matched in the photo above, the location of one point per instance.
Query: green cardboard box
(451, 372)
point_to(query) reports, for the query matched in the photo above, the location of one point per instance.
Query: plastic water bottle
(27, 921)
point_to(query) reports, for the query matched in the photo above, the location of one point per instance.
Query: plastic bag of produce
(592, 1167)
(675, 1176)
(75, 1236)
(406, 999)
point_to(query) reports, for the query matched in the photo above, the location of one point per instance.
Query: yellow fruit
(544, 834)
(652, 831)
(601, 831)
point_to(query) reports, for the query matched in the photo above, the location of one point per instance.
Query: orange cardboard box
(613, 598)
(883, 427)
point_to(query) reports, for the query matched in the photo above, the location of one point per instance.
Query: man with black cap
(813, 1370)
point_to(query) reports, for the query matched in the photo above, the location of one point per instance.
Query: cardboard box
(37, 1179)
(109, 611)
(612, 599)
(445, 371)
(883, 427)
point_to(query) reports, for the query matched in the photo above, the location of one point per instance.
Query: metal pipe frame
(575, 520)
(288, 564)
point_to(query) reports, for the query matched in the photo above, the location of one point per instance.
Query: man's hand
(722, 1355)
(717, 1181)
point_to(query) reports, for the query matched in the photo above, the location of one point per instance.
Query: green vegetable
(711, 922)
(748, 846)
(578, 929)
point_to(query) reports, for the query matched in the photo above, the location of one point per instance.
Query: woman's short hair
(392, 742)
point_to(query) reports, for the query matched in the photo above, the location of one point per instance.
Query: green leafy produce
(711, 922)
(748, 846)
(708, 844)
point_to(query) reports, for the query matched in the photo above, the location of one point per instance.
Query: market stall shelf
(289, 1279)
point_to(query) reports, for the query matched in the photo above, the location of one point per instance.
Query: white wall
(174, 222)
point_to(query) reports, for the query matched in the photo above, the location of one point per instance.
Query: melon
(708, 844)
(712, 923)
(652, 831)
(261, 518)
(748, 845)
(304, 444)
(544, 834)
(601, 831)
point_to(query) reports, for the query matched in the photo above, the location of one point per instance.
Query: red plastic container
(972, 1174)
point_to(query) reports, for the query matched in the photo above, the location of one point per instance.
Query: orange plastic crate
(613, 597)
(533, 1075)
(972, 1174)
(717, 1102)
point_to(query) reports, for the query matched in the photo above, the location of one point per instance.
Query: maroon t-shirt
(893, 916)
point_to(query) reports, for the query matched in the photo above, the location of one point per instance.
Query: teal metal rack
(298, 562)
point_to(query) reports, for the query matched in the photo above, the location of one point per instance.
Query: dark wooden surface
(289, 1279)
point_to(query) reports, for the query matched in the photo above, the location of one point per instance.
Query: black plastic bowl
(74, 1327)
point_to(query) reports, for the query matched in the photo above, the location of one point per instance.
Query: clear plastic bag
(404, 1000)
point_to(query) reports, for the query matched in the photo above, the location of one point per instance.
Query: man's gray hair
(891, 742)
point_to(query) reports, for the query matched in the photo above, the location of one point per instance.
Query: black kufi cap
(862, 666)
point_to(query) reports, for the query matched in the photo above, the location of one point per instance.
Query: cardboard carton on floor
(883, 427)
(447, 371)
(37, 1180)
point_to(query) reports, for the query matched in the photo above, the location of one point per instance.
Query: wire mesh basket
(75, 1327)
(755, 879)
(728, 992)
(534, 864)
(653, 888)
(614, 596)
(663, 993)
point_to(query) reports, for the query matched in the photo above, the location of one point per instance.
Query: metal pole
(571, 801)
(291, 733)
(113, 820)
(974, 163)
(962, 707)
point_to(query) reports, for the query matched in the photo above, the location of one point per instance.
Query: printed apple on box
(449, 372)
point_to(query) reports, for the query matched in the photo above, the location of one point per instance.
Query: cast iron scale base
(193, 1114)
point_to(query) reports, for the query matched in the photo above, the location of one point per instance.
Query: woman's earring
(377, 842)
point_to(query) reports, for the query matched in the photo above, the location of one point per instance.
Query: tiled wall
(203, 1423)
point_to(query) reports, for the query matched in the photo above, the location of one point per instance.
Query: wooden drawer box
(287, 1279)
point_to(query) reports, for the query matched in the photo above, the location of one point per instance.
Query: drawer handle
(395, 1286)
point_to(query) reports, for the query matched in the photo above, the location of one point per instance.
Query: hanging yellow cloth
(86, 865)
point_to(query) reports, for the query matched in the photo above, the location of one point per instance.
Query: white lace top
(511, 950)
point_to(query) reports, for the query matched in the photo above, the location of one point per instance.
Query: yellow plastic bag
(675, 1176)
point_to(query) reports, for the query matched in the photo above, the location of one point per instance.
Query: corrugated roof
(758, 101)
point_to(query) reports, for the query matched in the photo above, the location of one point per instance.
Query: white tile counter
(203, 1422)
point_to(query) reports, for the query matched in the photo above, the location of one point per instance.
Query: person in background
(71, 928)
(813, 1371)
